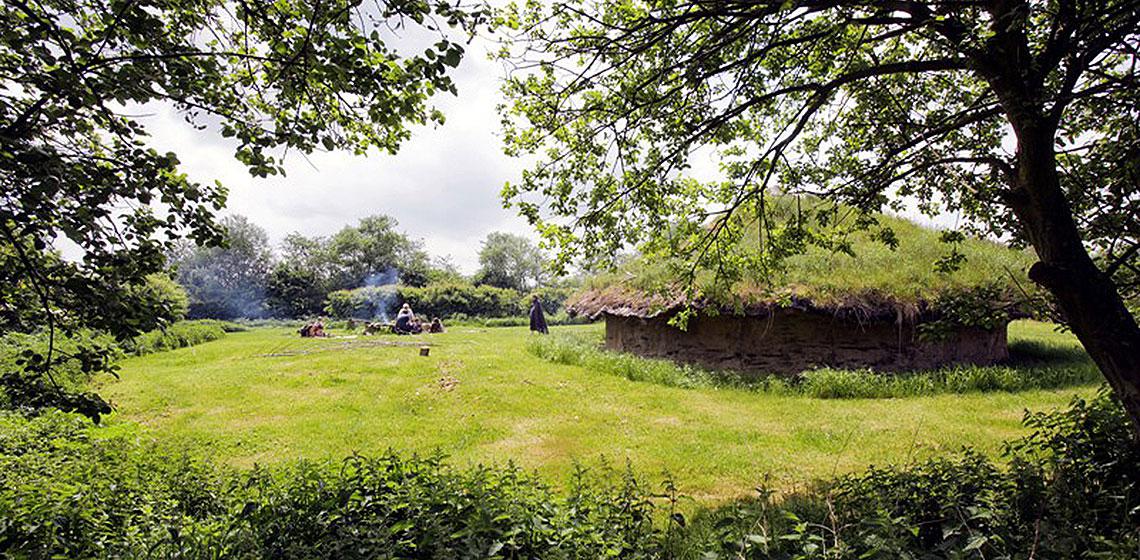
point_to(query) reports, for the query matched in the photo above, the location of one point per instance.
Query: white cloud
(443, 186)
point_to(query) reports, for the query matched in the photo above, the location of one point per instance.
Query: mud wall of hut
(792, 341)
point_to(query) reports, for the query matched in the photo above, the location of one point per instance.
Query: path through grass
(266, 396)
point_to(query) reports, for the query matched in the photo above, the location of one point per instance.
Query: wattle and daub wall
(791, 341)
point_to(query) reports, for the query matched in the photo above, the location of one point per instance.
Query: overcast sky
(443, 186)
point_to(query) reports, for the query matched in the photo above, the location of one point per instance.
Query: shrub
(292, 291)
(453, 301)
(447, 300)
(67, 493)
(179, 335)
(363, 303)
(433, 300)
(165, 297)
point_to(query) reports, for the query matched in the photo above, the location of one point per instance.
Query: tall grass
(584, 351)
(179, 335)
(1034, 364)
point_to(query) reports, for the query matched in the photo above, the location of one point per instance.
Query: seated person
(436, 326)
(405, 319)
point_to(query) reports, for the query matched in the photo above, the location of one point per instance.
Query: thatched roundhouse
(885, 310)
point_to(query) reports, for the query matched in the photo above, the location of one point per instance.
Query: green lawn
(265, 396)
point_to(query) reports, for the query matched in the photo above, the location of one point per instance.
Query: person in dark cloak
(537, 317)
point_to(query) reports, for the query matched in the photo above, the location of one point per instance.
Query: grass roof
(854, 271)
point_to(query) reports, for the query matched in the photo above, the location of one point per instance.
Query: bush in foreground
(65, 492)
(73, 359)
(1069, 489)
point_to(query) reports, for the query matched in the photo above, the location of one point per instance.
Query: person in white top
(404, 320)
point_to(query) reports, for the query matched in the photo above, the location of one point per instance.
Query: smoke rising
(383, 296)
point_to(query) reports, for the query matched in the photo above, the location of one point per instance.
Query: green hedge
(1069, 489)
(180, 335)
(446, 300)
(362, 303)
(65, 492)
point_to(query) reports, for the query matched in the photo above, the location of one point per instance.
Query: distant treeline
(364, 271)
(447, 299)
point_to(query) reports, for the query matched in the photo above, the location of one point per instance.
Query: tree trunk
(1092, 306)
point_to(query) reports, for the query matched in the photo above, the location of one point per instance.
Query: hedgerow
(65, 492)
(447, 300)
(1071, 488)
(67, 368)
(179, 335)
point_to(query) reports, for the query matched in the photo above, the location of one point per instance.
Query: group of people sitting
(314, 329)
(408, 323)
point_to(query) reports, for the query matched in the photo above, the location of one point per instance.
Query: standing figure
(537, 318)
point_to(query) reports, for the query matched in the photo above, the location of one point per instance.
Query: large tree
(289, 75)
(227, 282)
(1021, 116)
(292, 291)
(507, 260)
(373, 253)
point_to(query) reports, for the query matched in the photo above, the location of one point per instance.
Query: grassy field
(266, 396)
